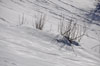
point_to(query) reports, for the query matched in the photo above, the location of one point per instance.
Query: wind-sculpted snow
(24, 46)
(13, 12)
(55, 7)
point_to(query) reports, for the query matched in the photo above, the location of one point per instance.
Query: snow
(24, 46)
(21, 44)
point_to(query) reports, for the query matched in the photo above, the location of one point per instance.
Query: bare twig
(40, 22)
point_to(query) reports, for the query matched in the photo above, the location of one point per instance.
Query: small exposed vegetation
(40, 22)
(71, 31)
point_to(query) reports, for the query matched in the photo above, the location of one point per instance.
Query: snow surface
(24, 46)
(21, 44)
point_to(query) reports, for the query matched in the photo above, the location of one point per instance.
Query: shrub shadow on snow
(66, 42)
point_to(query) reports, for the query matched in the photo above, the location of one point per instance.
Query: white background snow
(24, 45)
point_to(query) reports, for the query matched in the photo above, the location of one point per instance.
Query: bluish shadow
(66, 42)
(94, 15)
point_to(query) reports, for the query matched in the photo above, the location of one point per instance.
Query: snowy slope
(23, 46)
(13, 12)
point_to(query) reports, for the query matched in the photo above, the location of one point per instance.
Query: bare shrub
(40, 22)
(71, 31)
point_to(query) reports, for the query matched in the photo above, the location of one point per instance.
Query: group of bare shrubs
(39, 22)
(71, 31)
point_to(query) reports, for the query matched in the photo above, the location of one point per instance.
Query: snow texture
(21, 44)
